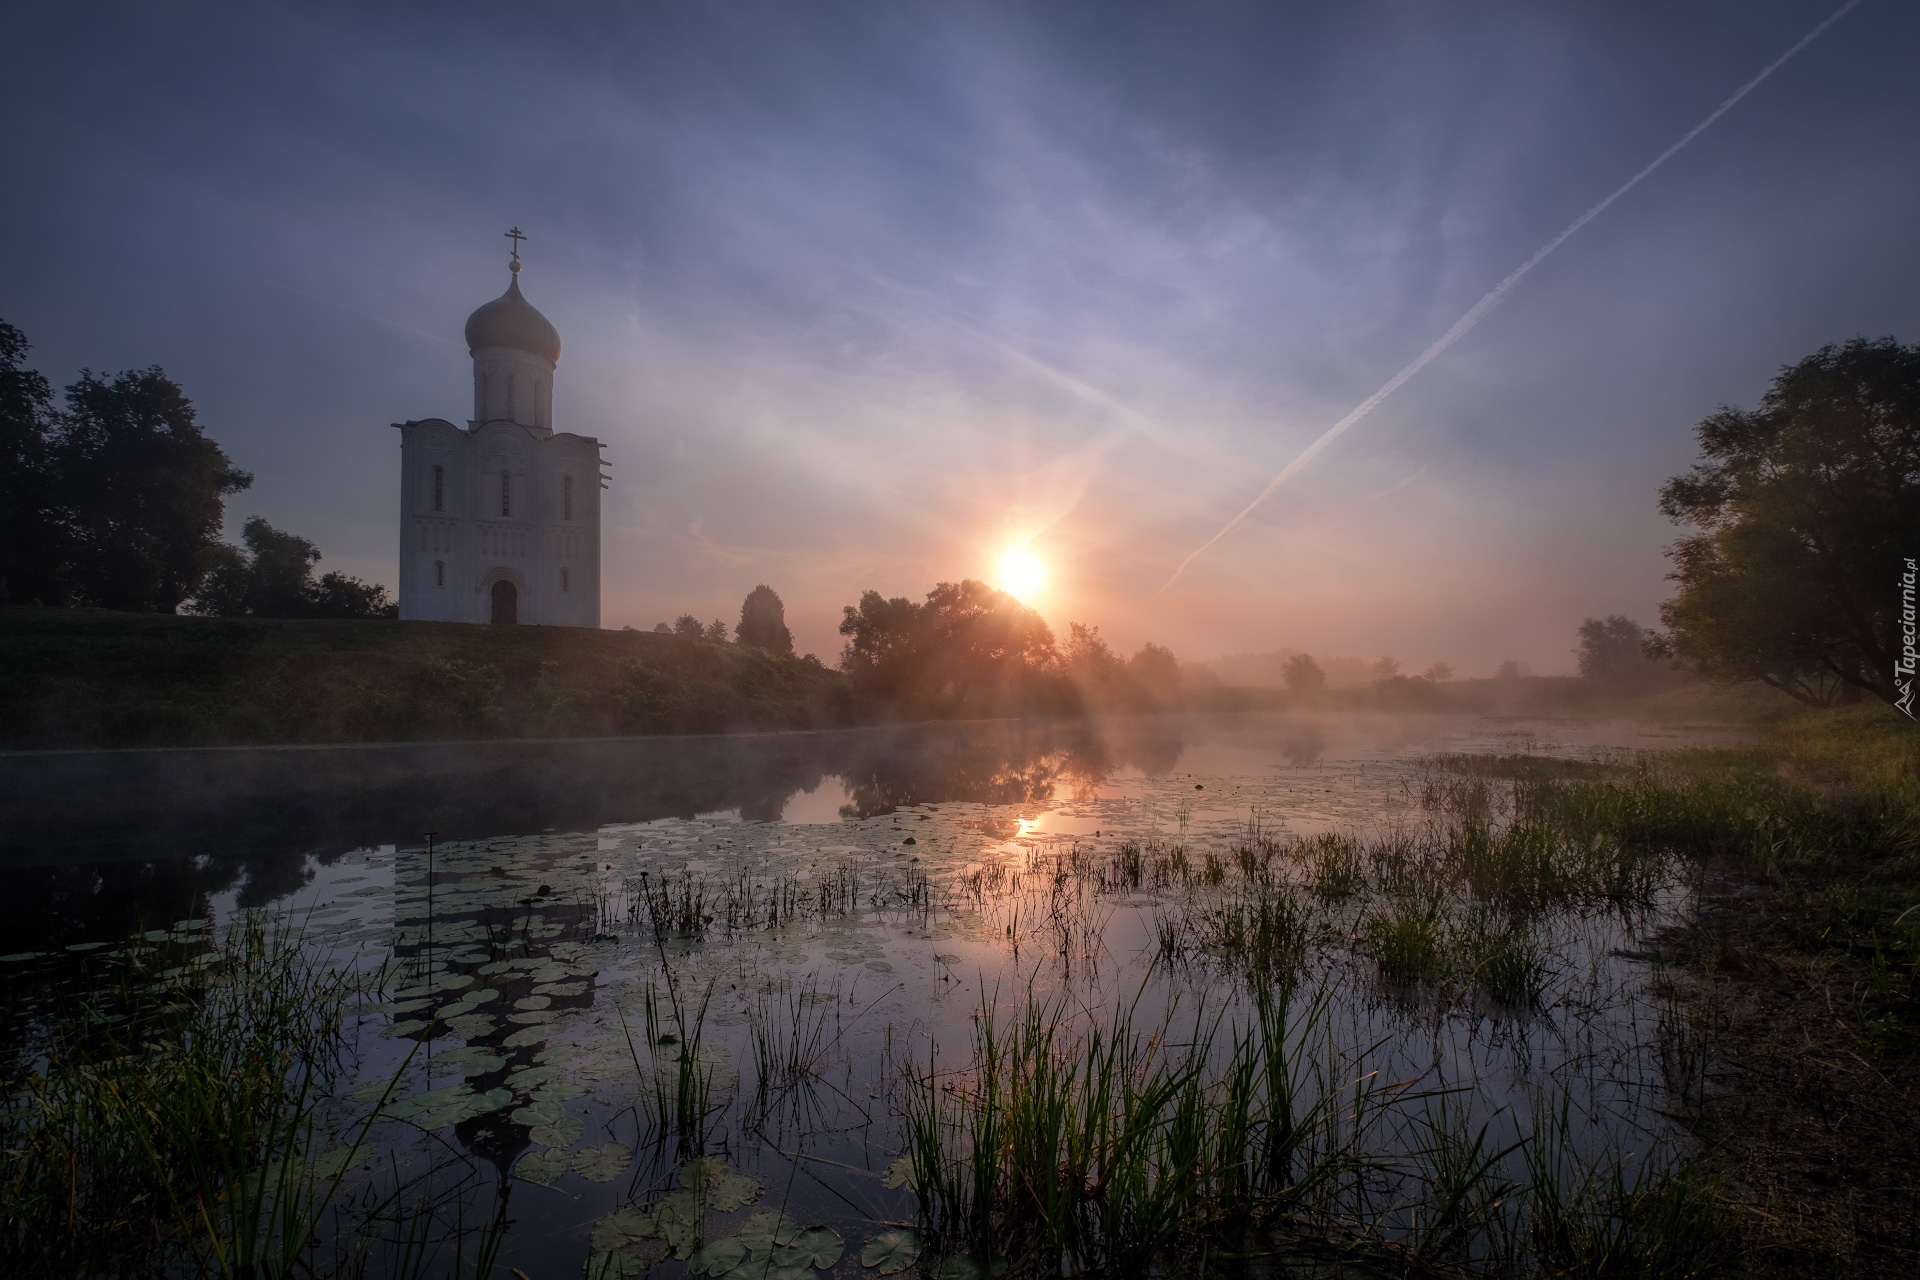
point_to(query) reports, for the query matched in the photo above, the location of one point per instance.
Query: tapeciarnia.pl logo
(1904, 664)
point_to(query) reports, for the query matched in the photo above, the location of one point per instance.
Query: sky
(863, 295)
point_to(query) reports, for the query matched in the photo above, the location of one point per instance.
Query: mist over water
(861, 895)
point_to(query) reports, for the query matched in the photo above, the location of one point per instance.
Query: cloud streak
(1494, 296)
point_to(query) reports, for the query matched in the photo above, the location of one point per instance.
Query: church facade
(500, 519)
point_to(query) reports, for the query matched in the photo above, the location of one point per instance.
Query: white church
(500, 520)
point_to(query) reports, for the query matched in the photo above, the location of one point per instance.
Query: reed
(166, 1117)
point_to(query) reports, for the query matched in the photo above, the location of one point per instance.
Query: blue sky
(861, 294)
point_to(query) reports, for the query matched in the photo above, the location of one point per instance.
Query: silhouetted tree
(689, 626)
(763, 622)
(662, 628)
(1303, 677)
(966, 639)
(1806, 509)
(716, 631)
(1089, 661)
(1511, 669)
(141, 491)
(30, 535)
(1386, 668)
(273, 578)
(1155, 673)
(1439, 672)
(1612, 654)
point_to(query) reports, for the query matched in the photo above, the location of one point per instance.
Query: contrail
(1499, 291)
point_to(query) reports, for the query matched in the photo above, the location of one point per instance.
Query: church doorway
(506, 602)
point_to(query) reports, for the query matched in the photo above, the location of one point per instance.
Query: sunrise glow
(1021, 574)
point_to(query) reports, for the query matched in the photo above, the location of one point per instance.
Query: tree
(1438, 673)
(1613, 653)
(1511, 669)
(30, 555)
(1089, 661)
(1386, 668)
(763, 622)
(965, 638)
(273, 578)
(140, 491)
(1805, 510)
(689, 626)
(716, 631)
(1155, 672)
(1303, 676)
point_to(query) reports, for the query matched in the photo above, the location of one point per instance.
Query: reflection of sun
(1020, 573)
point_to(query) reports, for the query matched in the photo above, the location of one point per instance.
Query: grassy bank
(91, 678)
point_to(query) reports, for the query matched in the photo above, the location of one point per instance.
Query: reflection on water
(868, 885)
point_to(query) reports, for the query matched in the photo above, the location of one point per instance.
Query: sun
(1020, 574)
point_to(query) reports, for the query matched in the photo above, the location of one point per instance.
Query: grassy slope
(1799, 975)
(71, 678)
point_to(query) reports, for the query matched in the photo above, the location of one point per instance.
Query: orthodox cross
(516, 236)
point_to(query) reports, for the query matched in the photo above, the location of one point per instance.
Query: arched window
(566, 579)
(439, 573)
(439, 487)
(506, 493)
(566, 497)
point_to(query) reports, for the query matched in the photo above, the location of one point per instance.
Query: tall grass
(1127, 1149)
(165, 1118)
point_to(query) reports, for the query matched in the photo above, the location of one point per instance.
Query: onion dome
(511, 321)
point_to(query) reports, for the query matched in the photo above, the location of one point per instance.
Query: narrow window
(506, 493)
(566, 497)
(439, 488)
(439, 573)
(566, 579)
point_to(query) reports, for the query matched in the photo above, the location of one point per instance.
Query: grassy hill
(91, 678)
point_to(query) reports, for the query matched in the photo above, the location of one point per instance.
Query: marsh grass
(166, 1115)
(1124, 1147)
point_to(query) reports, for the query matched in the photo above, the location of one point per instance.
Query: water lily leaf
(768, 1269)
(891, 1251)
(543, 1167)
(814, 1247)
(731, 1191)
(765, 1230)
(536, 1114)
(561, 1134)
(621, 1227)
(899, 1174)
(678, 1218)
(718, 1257)
(603, 1163)
(962, 1267)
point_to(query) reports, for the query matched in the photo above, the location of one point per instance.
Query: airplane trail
(1480, 309)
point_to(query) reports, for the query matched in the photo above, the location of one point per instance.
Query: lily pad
(621, 1227)
(815, 1247)
(718, 1257)
(543, 1167)
(768, 1269)
(678, 1218)
(899, 1174)
(561, 1134)
(603, 1163)
(765, 1230)
(891, 1251)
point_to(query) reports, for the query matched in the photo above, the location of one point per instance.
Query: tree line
(112, 496)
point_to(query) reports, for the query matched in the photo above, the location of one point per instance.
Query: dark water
(529, 1083)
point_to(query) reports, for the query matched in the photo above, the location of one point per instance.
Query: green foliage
(29, 543)
(1805, 510)
(168, 1124)
(763, 622)
(967, 647)
(273, 578)
(88, 678)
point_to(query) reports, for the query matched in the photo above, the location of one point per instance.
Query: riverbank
(93, 678)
